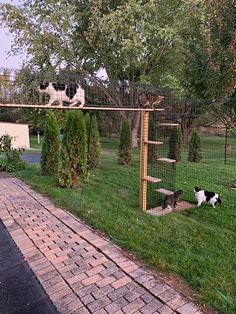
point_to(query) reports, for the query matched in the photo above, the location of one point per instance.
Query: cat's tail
(219, 200)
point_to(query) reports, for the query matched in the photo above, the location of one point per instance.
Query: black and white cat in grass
(206, 196)
(172, 199)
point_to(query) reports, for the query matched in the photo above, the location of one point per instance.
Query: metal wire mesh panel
(214, 172)
(159, 164)
(66, 87)
(214, 121)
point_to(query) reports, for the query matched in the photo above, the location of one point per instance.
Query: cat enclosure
(214, 171)
(49, 95)
(161, 172)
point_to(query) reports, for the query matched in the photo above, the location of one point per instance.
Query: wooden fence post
(143, 159)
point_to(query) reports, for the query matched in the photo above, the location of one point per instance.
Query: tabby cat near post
(172, 199)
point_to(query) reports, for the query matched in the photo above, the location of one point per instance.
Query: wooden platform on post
(167, 160)
(168, 124)
(151, 179)
(181, 206)
(154, 143)
(164, 191)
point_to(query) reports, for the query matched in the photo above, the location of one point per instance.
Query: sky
(13, 62)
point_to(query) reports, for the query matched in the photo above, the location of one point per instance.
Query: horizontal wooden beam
(78, 108)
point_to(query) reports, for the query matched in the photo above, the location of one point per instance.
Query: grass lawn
(199, 244)
(34, 141)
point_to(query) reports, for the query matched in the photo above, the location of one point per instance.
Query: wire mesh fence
(68, 88)
(214, 120)
(214, 172)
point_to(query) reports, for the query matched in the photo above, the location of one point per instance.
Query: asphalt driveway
(33, 157)
(20, 291)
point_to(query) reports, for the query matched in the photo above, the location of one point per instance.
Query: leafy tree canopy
(210, 49)
(127, 37)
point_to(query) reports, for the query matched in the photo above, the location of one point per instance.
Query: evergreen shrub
(125, 146)
(10, 158)
(51, 146)
(74, 150)
(94, 147)
(175, 144)
(194, 154)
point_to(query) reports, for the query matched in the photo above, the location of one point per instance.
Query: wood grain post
(143, 159)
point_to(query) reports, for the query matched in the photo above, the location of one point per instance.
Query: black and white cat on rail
(71, 93)
(206, 196)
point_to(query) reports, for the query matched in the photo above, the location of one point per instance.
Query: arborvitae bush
(74, 145)
(82, 168)
(125, 146)
(194, 147)
(87, 123)
(175, 144)
(64, 175)
(5, 142)
(51, 146)
(10, 158)
(152, 136)
(94, 147)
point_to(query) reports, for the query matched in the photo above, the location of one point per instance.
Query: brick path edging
(81, 271)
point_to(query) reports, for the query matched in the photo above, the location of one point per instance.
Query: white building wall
(19, 133)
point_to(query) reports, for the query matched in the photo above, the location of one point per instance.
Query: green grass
(34, 141)
(199, 245)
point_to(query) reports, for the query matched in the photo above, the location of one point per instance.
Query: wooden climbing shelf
(159, 211)
(167, 160)
(168, 124)
(151, 179)
(164, 191)
(153, 142)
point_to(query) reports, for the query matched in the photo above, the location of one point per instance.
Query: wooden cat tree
(144, 177)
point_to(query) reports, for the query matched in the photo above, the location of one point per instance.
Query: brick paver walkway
(80, 271)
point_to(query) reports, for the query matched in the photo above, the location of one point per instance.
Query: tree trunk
(135, 129)
(186, 127)
(109, 129)
(185, 132)
(134, 103)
